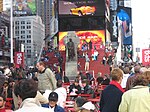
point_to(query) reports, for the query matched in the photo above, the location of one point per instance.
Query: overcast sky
(141, 24)
(141, 19)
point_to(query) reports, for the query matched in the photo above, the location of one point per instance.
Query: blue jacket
(110, 99)
(57, 108)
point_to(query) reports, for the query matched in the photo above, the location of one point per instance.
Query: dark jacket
(57, 108)
(110, 99)
(88, 90)
(73, 86)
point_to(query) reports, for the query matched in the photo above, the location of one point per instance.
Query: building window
(28, 46)
(28, 41)
(17, 22)
(22, 27)
(22, 32)
(22, 36)
(28, 51)
(28, 27)
(28, 22)
(22, 41)
(29, 31)
(16, 27)
(22, 22)
(28, 36)
(16, 32)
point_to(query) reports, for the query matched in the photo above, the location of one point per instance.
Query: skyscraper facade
(48, 4)
(29, 30)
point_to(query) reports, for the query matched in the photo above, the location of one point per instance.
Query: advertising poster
(97, 37)
(19, 59)
(124, 15)
(1, 5)
(77, 23)
(145, 57)
(24, 7)
(81, 7)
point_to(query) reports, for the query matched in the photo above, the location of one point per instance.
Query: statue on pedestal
(71, 50)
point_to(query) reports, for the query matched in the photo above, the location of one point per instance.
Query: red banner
(146, 57)
(19, 59)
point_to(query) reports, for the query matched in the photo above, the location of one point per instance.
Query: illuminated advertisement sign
(124, 15)
(96, 37)
(81, 7)
(77, 23)
(24, 7)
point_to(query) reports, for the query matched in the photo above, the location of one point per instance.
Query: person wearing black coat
(86, 88)
(75, 86)
(111, 95)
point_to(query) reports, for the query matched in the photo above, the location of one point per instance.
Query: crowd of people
(127, 89)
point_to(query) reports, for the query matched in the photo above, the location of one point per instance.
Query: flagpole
(11, 30)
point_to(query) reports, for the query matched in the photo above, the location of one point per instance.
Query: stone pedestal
(71, 69)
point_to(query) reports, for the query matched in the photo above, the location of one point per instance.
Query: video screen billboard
(24, 7)
(77, 23)
(81, 7)
(97, 37)
(124, 15)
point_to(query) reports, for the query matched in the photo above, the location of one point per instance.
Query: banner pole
(11, 30)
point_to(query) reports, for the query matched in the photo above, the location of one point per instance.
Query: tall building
(29, 30)
(48, 4)
(40, 9)
(1, 5)
(4, 38)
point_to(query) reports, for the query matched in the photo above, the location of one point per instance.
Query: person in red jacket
(2, 104)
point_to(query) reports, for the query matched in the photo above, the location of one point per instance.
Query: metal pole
(11, 30)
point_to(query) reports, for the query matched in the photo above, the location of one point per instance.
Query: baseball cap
(53, 96)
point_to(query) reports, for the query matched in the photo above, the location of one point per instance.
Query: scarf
(117, 85)
(2, 110)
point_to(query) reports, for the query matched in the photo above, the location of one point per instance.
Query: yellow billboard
(1, 5)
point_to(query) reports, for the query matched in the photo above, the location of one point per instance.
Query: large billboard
(77, 23)
(24, 7)
(81, 7)
(97, 37)
(124, 15)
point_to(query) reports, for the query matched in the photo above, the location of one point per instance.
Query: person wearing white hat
(83, 105)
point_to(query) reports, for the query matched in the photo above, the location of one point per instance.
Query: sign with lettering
(146, 57)
(19, 59)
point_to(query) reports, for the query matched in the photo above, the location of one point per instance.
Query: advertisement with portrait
(24, 7)
(146, 57)
(77, 23)
(81, 7)
(124, 15)
(96, 37)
